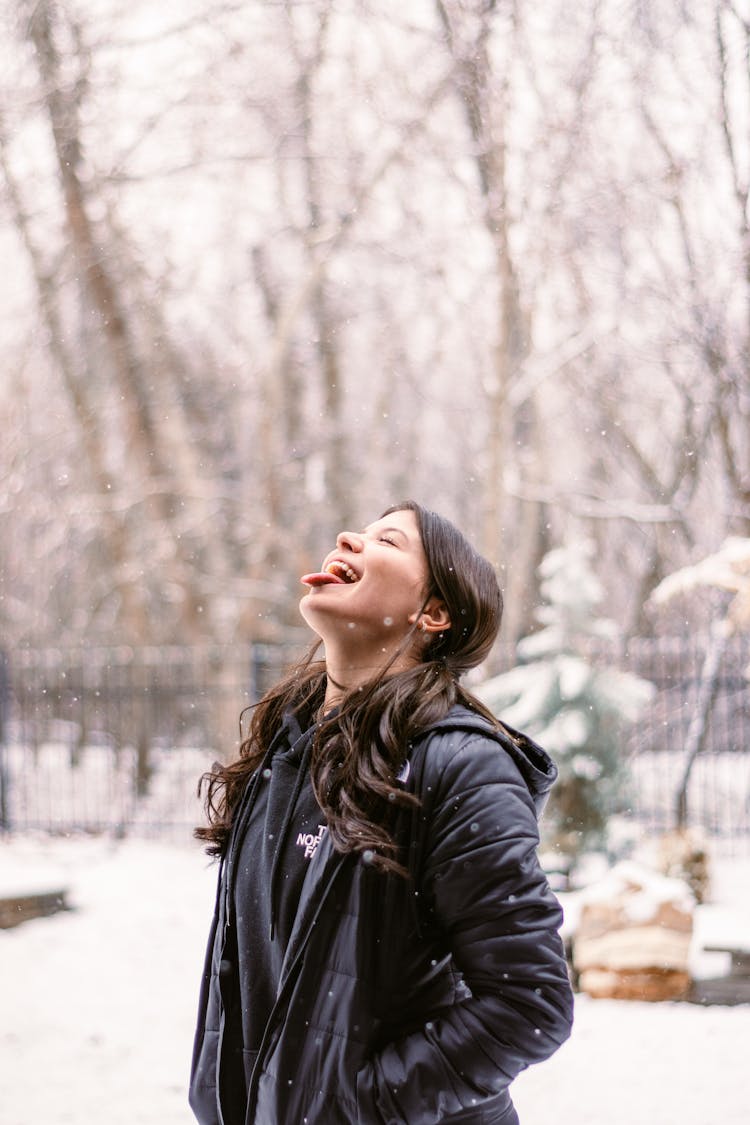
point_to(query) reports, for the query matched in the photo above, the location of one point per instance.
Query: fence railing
(115, 739)
(718, 791)
(110, 739)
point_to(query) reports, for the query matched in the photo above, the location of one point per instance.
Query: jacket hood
(534, 764)
(292, 738)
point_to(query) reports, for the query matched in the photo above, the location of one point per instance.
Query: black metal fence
(115, 739)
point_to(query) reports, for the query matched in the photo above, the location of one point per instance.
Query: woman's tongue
(321, 578)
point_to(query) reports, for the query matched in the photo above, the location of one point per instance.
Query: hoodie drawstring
(240, 822)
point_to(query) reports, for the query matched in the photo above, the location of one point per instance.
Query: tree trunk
(146, 447)
(517, 549)
(115, 535)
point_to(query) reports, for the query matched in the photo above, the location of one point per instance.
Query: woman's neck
(346, 675)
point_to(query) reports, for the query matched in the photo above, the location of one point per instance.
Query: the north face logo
(309, 841)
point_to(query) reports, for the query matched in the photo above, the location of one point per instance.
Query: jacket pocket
(498, 1110)
(495, 1111)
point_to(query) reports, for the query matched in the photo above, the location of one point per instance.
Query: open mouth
(336, 573)
(342, 571)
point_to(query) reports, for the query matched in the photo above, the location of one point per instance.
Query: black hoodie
(275, 835)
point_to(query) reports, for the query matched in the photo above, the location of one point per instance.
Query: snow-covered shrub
(573, 707)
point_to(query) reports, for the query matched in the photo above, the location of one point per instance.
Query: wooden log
(16, 909)
(632, 941)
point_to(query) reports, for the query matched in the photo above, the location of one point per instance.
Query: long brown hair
(359, 750)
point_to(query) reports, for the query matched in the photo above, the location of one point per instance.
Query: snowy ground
(98, 1004)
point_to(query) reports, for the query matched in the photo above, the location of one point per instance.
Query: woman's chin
(323, 617)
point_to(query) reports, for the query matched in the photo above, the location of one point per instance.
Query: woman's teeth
(342, 570)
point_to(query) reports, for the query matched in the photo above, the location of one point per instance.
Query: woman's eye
(386, 539)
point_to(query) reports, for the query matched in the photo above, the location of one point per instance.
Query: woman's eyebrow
(383, 530)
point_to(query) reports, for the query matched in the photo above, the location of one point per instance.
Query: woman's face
(372, 586)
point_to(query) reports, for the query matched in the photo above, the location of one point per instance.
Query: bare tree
(335, 257)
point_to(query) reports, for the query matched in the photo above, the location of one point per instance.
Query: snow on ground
(97, 1005)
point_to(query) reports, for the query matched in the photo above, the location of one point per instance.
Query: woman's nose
(349, 541)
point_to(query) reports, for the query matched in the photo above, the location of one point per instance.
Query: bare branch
(740, 190)
(591, 506)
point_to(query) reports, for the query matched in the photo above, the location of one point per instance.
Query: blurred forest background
(269, 265)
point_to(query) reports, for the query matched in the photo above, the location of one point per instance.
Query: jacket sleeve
(499, 919)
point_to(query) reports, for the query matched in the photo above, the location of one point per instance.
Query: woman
(384, 946)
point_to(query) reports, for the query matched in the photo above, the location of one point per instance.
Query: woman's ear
(434, 618)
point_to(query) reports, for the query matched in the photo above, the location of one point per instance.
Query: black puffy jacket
(413, 1001)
